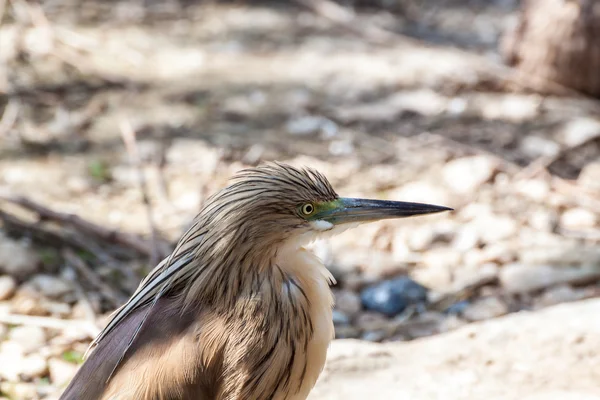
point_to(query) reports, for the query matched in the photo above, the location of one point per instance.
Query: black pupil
(308, 208)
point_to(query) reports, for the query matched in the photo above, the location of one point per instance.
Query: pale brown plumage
(239, 310)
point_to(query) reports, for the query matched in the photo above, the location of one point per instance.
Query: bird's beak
(347, 210)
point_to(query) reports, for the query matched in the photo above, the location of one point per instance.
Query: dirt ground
(397, 100)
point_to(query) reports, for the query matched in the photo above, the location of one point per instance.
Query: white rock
(17, 259)
(519, 278)
(578, 218)
(580, 130)
(465, 175)
(33, 366)
(30, 338)
(536, 146)
(18, 390)
(493, 228)
(50, 286)
(8, 286)
(61, 372)
(535, 189)
(486, 308)
(11, 354)
(589, 176)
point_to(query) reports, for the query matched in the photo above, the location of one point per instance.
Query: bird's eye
(308, 209)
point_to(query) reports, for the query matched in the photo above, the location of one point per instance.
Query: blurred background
(119, 118)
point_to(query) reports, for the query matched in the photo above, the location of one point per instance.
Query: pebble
(61, 371)
(457, 308)
(465, 175)
(537, 146)
(519, 278)
(30, 338)
(310, 125)
(558, 294)
(8, 285)
(28, 301)
(494, 228)
(347, 302)
(50, 286)
(579, 131)
(391, 297)
(486, 308)
(374, 336)
(578, 218)
(18, 390)
(33, 366)
(17, 259)
(534, 189)
(340, 319)
(589, 177)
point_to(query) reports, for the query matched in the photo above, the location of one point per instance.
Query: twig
(129, 138)
(9, 116)
(49, 237)
(50, 323)
(78, 223)
(89, 311)
(92, 277)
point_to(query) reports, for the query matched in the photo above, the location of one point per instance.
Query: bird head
(282, 202)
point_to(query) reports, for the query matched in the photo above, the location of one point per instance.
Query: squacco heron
(239, 310)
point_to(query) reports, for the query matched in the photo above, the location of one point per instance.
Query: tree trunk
(559, 41)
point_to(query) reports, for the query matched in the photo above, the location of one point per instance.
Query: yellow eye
(308, 209)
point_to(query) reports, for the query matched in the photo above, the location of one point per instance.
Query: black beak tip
(437, 209)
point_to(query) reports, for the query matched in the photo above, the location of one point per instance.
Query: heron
(240, 310)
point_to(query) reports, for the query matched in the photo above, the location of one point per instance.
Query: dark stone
(391, 297)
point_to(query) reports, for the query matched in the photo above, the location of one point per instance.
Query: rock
(391, 297)
(554, 349)
(11, 354)
(61, 372)
(7, 287)
(28, 301)
(50, 286)
(17, 259)
(18, 390)
(494, 228)
(347, 302)
(33, 366)
(466, 238)
(519, 278)
(486, 308)
(537, 146)
(589, 177)
(30, 338)
(543, 220)
(534, 189)
(458, 308)
(311, 125)
(465, 175)
(559, 294)
(579, 131)
(340, 319)
(373, 336)
(578, 218)
(421, 238)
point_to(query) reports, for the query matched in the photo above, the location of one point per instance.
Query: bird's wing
(174, 269)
